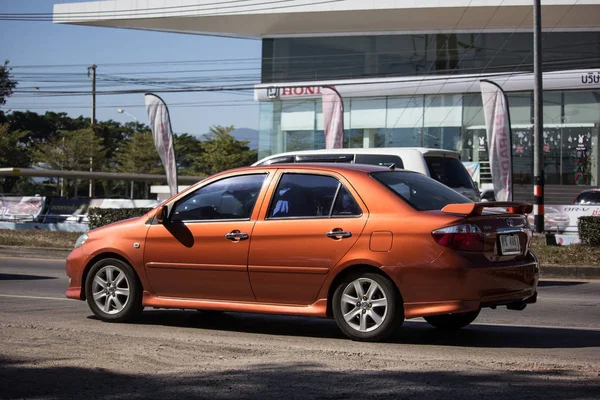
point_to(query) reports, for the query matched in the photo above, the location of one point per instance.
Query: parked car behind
(442, 165)
(365, 245)
(554, 220)
(488, 195)
(589, 197)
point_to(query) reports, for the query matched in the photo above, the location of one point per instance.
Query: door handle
(236, 235)
(338, 233)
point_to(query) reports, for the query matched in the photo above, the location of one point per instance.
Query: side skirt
(317, 309)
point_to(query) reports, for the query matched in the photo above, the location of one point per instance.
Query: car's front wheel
(451, 322)
(112, 291)
(367, 307)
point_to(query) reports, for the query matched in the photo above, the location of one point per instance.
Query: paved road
(51, 347)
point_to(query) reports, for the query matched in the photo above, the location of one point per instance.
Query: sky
(63, 52)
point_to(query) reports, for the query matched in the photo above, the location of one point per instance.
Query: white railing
(68, 218)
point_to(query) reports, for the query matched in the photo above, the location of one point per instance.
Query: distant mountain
(251, 135)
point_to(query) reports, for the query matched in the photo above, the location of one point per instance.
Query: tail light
(465, 237)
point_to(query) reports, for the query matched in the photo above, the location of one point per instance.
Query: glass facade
(348, 57)
(447, 121)
(453, 122)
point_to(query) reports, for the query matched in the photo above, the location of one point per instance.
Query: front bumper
(75, 265)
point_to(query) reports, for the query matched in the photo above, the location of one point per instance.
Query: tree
(12, 154)
(41, 128)
(70, 151)
(221, 151)
(138, 155)
(7, 85)
(188, 150)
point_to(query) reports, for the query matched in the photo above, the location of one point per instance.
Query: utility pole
(538, 123)
(93, 122)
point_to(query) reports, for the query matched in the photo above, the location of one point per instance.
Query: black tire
(211, 313)
(372, 331)
(452, 322)
(131, 305)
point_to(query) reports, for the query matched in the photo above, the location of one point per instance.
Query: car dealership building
(408, 71)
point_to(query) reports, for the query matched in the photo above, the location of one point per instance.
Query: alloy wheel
(110, 289)
(364, 305)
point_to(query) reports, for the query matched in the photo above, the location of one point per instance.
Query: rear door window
(312, 196)
(419, 191)
(449, 171)
(384, 160)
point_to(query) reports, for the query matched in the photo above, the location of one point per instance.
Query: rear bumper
(444, 289)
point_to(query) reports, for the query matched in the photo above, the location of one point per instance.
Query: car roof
(370, 150)
(341, 167)
(591, 191)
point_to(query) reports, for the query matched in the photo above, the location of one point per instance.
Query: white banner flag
(497, 126)
(160, 124)
(333, 118)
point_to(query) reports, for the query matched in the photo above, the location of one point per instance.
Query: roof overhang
(263, 19)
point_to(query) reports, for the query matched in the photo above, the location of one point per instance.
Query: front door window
(229, 198)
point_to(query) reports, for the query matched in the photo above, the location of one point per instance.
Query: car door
(201, 251)
(310, 223)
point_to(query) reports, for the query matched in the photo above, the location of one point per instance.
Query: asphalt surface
(51, 347)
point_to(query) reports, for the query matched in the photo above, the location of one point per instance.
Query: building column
(369, 138)
(595, 156)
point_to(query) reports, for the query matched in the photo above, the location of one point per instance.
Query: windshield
(450, 171)
(421, 192)
(588, 198)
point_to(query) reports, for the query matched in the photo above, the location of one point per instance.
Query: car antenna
(392, 167)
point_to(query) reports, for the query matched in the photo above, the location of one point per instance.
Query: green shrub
(589, 230)
(103, 216)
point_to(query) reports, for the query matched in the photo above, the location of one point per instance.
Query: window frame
(269, 209)
(193, 192)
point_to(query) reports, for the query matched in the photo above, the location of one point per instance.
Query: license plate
(510, 244)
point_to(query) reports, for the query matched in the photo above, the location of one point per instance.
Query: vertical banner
(474, 169)
(333, 118)
(499, 138)
(160, 124)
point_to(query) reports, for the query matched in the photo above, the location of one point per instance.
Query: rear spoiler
(474, 209)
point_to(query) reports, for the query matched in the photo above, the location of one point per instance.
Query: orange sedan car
(366, 245)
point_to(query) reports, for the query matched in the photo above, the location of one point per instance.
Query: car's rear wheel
(367, 307)
(451, 322)
(112, 291)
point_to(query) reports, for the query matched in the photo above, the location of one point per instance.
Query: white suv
(442, 165)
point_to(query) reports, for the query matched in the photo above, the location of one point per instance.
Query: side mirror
(162, 215)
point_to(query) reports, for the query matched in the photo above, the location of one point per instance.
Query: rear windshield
(421, 192)
(588, 198)
(450, 171)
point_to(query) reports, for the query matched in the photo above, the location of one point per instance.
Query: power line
(149, 9)
(110, 79)
(196, 89)
(296, 59)
(100, 12)
(74, 18)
